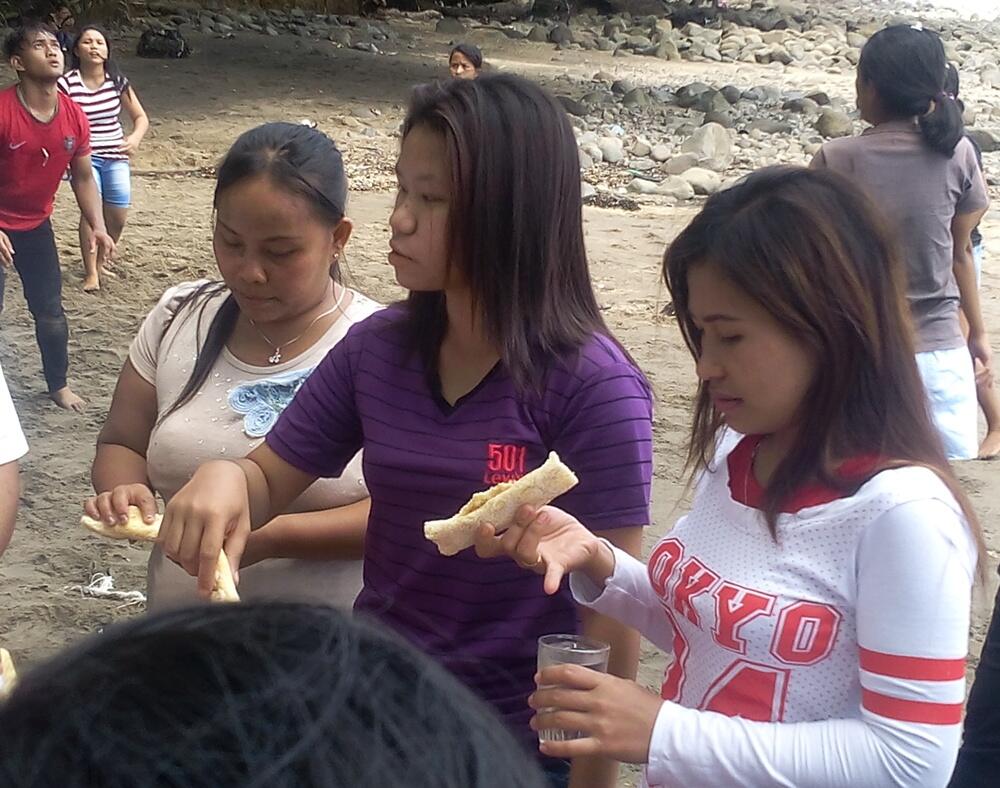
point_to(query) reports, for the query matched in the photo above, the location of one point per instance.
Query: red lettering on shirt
(734, 607)
(673, 679)
(666, 555)
(504, 462)
(695, 579)
(805, 633)
(749, 690)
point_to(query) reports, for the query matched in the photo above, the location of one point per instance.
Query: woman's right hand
(208, 513)
(111, 507)
(550, 542)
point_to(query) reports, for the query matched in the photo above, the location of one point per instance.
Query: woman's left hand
(615, 716)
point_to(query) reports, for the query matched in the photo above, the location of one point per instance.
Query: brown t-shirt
(921, 191)
(228, 417)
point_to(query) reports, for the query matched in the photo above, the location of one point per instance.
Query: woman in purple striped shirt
(498, 356)
(97, 84)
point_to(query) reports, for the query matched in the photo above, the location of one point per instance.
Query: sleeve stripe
(911, 710)
(918, 668)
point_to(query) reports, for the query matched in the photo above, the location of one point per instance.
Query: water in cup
(572, 650)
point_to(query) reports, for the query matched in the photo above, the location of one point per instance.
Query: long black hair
(296, 158)
(515, 223)
(111, 67)
(907, 66)
(274, 695)
(813, 250)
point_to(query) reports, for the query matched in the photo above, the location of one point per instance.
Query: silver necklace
(275, 357)
(746, 479)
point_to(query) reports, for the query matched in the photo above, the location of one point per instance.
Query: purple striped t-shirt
(424, 458)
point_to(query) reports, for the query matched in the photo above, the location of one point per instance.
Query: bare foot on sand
(91, 284)
(65, 398)
(990, 447)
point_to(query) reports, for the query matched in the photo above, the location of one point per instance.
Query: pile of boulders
(366, 35)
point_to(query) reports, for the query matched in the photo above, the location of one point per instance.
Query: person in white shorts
(919, 167)
(12, 448)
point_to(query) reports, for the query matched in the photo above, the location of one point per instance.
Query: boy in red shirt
(41, 133)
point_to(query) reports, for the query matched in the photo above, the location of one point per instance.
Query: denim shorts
(114, 181)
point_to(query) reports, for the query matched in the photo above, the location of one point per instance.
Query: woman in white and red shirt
(96, 83)
(816, 598)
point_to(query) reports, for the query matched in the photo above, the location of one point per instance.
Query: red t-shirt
(34, 156)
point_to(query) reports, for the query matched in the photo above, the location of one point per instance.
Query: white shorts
(950, 382)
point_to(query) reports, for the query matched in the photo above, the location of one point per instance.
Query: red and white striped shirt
(102, 108)
(833, 657)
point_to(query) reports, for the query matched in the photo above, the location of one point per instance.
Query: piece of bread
(136, 528)
(8, 676)
(499, 504)
(224, 589)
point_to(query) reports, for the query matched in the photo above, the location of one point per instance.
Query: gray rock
(612, 149)
(621, 86)
(340, 36)
(638, 42)
(561, 34)
(593, 151)
(675, 187)
(770, 126)
(641, 165)
(641, 148)
(585, 161)
(724, 119)
(450, 26)
(712, 101)
(681, 164)
(987, 141)
(572, 106)
(667, 50)
(637, 97)
(642, 186)
(712, 145)
(763, 94)
(801, 106)
(538, 34)
(688, 95)
(778, 54)
(834, 123)
(711, 52)
(856, 40)
(660, 153)
(703, 181)
(732, 93)
(990, 75)
(587, 191)
(819, 97)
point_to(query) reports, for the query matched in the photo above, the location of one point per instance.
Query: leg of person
(117, 195)
(987, 393)
(950, 384)
(91, 276)
(979, 758)
(37, 263)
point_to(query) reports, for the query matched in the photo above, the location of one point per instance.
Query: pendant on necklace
(275, 357)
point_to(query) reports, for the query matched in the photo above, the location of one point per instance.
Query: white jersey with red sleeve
(831, 656)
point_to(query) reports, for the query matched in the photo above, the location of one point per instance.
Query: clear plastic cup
(570, 650)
